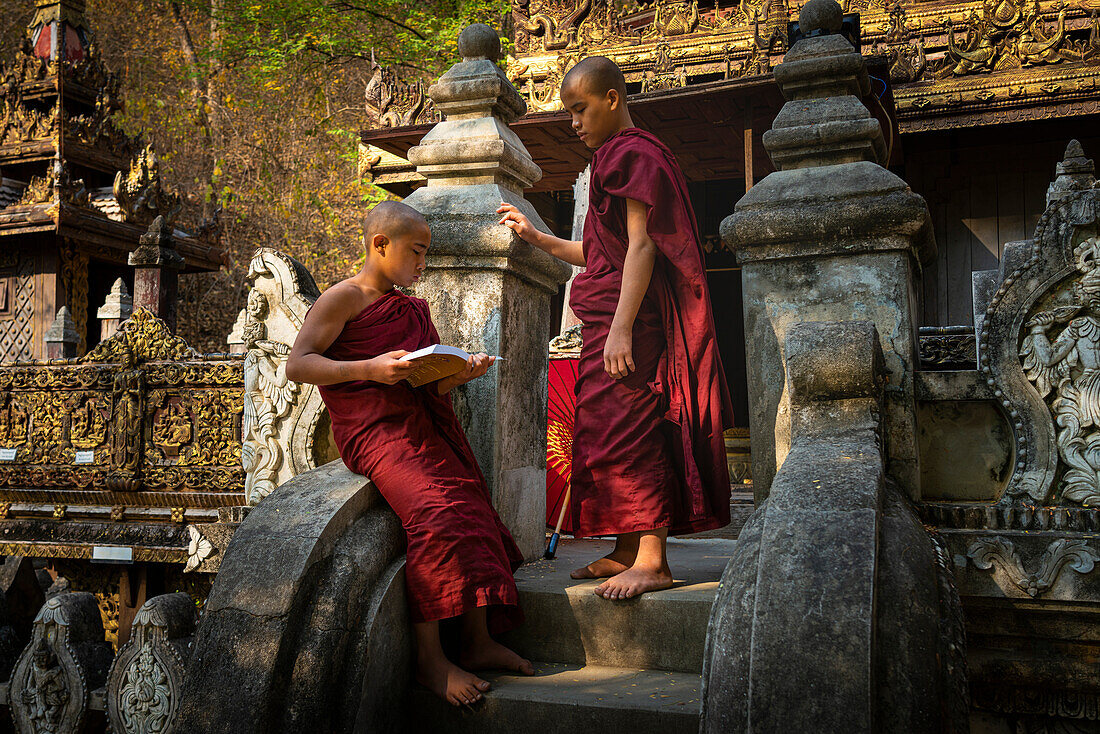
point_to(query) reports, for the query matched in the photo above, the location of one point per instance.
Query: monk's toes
(481, 686)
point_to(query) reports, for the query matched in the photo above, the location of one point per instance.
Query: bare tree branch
(345, 5)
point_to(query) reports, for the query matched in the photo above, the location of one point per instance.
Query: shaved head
(597, 75)
(392, 219)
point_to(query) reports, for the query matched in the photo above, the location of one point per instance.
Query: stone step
(663, 630)
(561, 698)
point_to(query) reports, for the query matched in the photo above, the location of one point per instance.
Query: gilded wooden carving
(142, 411)
(951, 63)
(141, 193)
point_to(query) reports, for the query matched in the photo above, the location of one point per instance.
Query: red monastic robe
(648, 450)
(411, 445)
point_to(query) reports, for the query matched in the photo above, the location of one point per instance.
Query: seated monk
(460, 557)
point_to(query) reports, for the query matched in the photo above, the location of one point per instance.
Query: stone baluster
(831, 236)
(489, 290)
(117, 308)
(66, 659)
(61, 338)
(144, 682)
(156, 272)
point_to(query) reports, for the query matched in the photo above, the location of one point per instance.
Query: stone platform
(633, 665)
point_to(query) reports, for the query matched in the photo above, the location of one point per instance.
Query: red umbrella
(561, 410)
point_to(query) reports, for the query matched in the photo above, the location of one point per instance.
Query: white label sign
(84, 457)
(112, 554)
(7, 454)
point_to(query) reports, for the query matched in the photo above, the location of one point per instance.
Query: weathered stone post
(489, 290)
(118, 306)
(831, 236)
(156, 266)
(837, 611)
(61, 338)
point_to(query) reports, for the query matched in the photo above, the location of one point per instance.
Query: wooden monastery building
(978, 101)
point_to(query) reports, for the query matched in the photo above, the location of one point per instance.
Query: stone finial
(278, 436)
(61, 338)
(153, 659)
(64, 662)
(119, 303)
(474, 144)
(479, 41)
(157, 247)
(820, 17)
(827, 77)
(235, 340)
(1074, 173)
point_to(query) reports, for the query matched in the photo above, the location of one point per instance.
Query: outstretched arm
(570, 251)
(323, 324)
(641, 253)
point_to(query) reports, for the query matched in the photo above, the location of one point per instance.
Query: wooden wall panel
(984, 187)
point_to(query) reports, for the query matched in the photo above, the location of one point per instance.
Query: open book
(435, 363)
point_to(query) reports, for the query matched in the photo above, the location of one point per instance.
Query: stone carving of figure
(268, 399)
(1069, 367)
(46, 693)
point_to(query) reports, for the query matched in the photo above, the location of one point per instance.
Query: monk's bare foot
(613, 563)
(450, 682)
(491, 655)
(634, 581)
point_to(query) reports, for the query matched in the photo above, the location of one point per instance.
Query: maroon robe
(409, 442)
(648, 450)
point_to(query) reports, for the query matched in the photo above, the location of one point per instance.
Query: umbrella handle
(552, 546)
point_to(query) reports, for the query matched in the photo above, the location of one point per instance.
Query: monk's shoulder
(638, 154)
(344, 300)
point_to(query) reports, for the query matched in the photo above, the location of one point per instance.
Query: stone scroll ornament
(281, 417)
(64, 662)
(143, 685)
(1041, 344)
(1074, 554)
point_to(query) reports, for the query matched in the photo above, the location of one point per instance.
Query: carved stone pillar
(489, 290)
(156, 272)
(831, 236)
(62, 339)
(144, 682)
(64, 662)
(834, 568)
(117, 308)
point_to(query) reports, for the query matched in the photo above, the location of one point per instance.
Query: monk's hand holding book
(451, 366)
(389, 368)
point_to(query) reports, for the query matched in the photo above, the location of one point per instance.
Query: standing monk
(460, 557)
(648, 452)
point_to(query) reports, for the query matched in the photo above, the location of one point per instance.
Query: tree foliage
(254, 108)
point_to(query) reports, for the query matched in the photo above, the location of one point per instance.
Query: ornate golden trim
(84, 551)
(198, 500)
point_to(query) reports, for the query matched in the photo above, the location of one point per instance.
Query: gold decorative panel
(143, 412)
